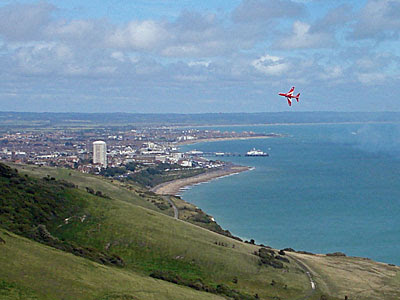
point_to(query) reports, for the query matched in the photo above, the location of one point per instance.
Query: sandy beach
(174, 187)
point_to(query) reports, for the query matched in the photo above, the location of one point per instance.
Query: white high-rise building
(100, 153)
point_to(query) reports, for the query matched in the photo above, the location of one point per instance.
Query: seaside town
(93, 151)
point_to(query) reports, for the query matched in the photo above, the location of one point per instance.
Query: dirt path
(176, 211)
(309, 273)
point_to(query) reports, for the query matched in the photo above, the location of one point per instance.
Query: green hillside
(124, 191)
(134, 239)
(32, 271)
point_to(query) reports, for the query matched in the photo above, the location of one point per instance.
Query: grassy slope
(126, 192)
(358, 278)
(148, 240)
(129, 192)
(30, 270)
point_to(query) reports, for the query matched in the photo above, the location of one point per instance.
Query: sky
(168, 56)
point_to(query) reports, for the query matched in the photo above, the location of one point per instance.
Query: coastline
(175, 186)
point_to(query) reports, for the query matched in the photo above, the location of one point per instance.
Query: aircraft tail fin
(297, 97)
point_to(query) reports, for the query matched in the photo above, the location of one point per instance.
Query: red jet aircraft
(289, 96)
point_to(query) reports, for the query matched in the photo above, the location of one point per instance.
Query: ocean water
(324, 188)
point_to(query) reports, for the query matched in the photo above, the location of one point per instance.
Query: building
(100, 153)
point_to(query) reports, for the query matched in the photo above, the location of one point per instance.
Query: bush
(200, 217)
(162, 206)
(281, 258)
(289, 250)
(267, 257)
(67, 184)
(199, 285)
(90, 190)
(336, 254)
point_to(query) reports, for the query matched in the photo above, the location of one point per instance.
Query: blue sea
(324, 188)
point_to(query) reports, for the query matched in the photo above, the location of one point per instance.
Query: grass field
(150, 241)
(30, 270)
(355, 277)
(129, 225)
(124, 191)
(115, 189)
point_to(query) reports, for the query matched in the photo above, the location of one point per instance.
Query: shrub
(278, 257)
(336, 254)
(198, 284)
(267, 257)
(90, 190)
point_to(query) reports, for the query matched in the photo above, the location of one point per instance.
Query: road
(176, 211)
(308, 272)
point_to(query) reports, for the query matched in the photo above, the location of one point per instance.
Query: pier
(216, 154)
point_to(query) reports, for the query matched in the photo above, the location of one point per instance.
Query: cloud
(334, 18)
(191, 34)
(199, 63)
(332, 72)
(271, 65)
(191, 78)
(374, 68)
(371, 77)
(74, 29)
(40, 58)
(118, 55)
(138, 35)
(80, 33)
(59, 60)
(303, 37)
(221, 55)
(194, 34)
(373, 61)
(24, 22)
(378, 20)
(319, 34)
(265, 10)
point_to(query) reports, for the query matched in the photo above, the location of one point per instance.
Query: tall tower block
(100, 153)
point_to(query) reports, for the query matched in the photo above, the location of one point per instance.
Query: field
(30, 270)
(114, 189)
(355, 277)
(151, 242)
